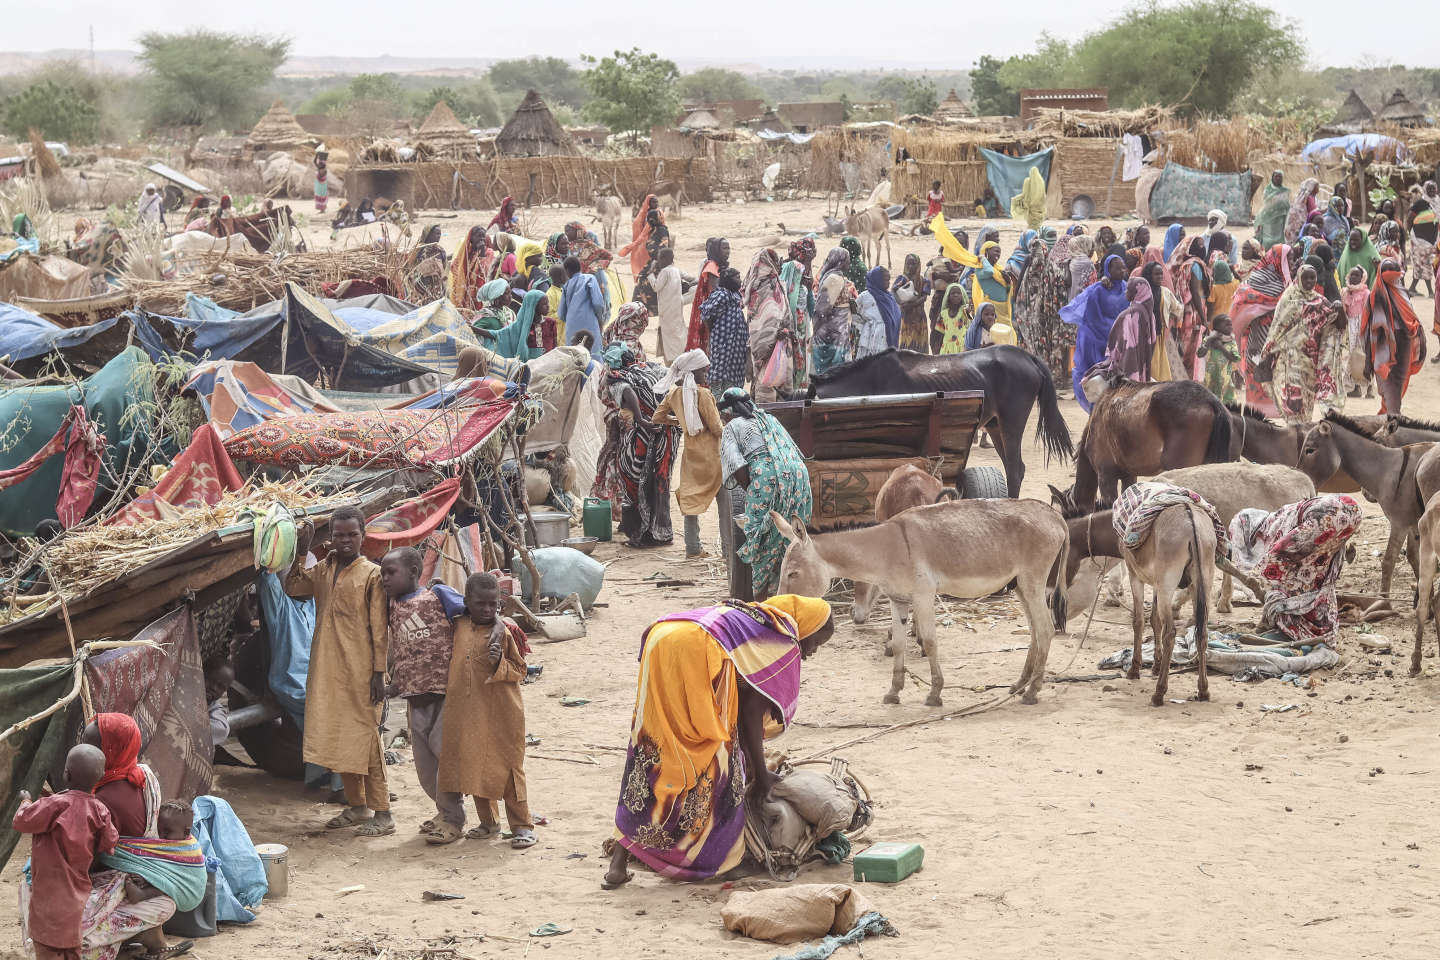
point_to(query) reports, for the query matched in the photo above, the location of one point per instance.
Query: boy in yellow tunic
(483, 750)
(346, 681)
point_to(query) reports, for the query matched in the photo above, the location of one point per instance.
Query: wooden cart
(852, 444)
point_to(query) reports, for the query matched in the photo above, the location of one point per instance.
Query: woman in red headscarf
(120, 910)
(505, 218)
(1394, 342)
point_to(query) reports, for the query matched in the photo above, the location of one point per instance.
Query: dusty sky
(741, 32)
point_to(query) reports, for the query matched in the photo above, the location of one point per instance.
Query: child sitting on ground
(1355, 297)
(1220, 353)
(483, 751)
(70, 828)
(421, 640)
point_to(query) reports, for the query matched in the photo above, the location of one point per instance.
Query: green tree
(992, 96)
(555, 80)
(632, 91)
(58, 111)
(712, 84)
(376, 87)
(474, 103)
(919, 97)
(1051, 65)
(208, 79)
(1200, 55)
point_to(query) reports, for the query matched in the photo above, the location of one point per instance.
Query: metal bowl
(585, 545)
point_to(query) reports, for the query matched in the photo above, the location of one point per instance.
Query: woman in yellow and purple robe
(710, 679)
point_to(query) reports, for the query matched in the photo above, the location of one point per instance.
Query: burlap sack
(825, 804)
(791, 914)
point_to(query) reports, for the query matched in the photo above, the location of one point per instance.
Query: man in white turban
(688, 404)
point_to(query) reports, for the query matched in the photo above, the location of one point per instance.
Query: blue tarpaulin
(1354, 144)
(1185, 194)
(1007, 174)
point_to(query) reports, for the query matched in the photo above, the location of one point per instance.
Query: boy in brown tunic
(346, 681)
(421, 641)
(483, 751)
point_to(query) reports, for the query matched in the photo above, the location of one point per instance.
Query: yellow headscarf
(808, 613)
(951, 246)
(1029, 204)
(524, 250)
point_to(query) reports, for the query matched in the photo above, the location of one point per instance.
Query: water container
(276, 859)
(596, 518)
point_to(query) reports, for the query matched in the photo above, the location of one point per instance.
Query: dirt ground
(1089, 825)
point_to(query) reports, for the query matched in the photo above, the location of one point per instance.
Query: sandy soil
(1089, 825)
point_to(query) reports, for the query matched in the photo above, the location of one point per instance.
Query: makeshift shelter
(809, 117)
(443, 135)
(533, 131)
(1354, 110)
(699, 120)
(1400, 111)
(1184, 194)
(277, 130)
(952, 107)
(1094, 99)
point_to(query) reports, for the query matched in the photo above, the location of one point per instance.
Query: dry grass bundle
(44, 159)
(1098, 123)
(27, 196)
(88, 557)
(252, 278)
(954, 144)
(1217, 146)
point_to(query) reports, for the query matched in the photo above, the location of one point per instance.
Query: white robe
(674, 328)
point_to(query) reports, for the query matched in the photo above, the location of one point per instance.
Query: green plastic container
(595, 518)
(888, 862)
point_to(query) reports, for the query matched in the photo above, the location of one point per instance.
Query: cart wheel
(174, 197)
(984, 483)
(730, 502)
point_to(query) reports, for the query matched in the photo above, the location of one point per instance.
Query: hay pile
(1061, 122)
(250, 279)
(1219, 146)
(88, 557)
(277, 130)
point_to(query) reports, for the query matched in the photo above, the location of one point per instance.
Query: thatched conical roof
(1399, 109)
(443, 133)
(952, 107)
(1354, 110)
(277, 130)
(532, 131)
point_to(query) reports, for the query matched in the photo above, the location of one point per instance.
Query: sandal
(372, 829)
(429, 825)
(523, 840)
(608, 884)
(346, 819)
(444, 832)
(174, 950)
(483, 832)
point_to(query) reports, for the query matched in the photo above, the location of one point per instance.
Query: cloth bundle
(1141, 503)
(174, 867)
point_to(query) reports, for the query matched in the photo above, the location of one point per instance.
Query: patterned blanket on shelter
(377, 439)
(1185, 194)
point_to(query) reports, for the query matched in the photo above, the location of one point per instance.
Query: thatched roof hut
(442, 134)
(952, 107)
(277, 130)
(1354, 110)
(532, 131)
(1399, 110)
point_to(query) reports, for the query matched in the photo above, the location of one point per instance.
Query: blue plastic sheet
(240, 881)
(1354, 144)
(24, 335)
(1007, 174)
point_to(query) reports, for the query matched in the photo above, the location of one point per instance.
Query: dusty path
(1090, 825)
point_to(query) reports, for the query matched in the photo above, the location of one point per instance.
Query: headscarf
(856, 272)
(525, 249)
(1029, 203)
(1335, 224)
(591, 255)
(975, 333)
(120, 742)
(1093, 313)
(1220, 269)
(504, 215)
(1322, 257)
(1021, 255)
(683, 371)
(802, 250)
(1364, 258)
(636, 249)
(631, 321)
(1300, 209)
(836, 261)
(1389, 295)
(150, 202)
(885, 301)
(1147, 256)
(493, 290)
(512, 340)
(470, 266)
(808, 614)
(1220, 221)
(553, 257)
(1173, 233)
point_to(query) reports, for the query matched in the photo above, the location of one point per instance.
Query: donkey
(907, 486)
(1429, 561)
(1386, 473)
(1232, 487)
(1181, 544)
(871, 226)
(967, 548)
(607, 212)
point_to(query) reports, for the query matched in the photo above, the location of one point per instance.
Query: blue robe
(1093, 313)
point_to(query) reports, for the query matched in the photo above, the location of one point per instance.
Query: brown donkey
(967, 548)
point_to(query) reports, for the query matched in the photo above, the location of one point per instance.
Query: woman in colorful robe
(1306, 349)
(709, 681)
(1251, 312)
(1394, 343)
(634, 466)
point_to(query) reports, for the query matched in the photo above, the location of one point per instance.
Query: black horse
(1013, 380)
